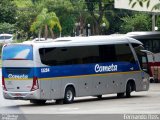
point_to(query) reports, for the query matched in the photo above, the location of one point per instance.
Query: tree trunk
(98, 20)
(39, 34)
(52, 34)
(46, 32)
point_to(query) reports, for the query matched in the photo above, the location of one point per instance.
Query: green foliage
(65, 11)
(99, 7)
(23, 3)
(114, 19)
(7, 28)
(25, 17)
(59, 6)
(7, 11)
(46, 20)
(67, 22)
(19, 15)
(137, 22)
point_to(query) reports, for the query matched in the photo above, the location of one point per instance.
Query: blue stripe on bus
(80, 69)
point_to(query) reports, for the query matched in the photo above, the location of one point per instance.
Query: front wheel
(69, 95)
(128, 90)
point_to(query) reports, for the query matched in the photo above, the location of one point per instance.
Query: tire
(59, 101)
(99, 96)
(128, 90)
(151, 80)
(38, 102)
(69, 95)
(120, 95)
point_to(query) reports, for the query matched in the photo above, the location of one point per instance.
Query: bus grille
(18, 70)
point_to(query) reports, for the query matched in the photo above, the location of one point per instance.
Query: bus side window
(144, 65)
(124, 53)
(143, 60)
(142, 57)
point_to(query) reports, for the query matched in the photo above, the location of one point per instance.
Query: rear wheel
(38, 102)
(128, 90)
(99, 96)
(120, 95)
(152, 80)
(69, 95)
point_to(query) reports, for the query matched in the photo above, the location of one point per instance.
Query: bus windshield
(17, 52)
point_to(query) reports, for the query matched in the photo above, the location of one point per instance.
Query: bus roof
(82, 41)
(144, 35)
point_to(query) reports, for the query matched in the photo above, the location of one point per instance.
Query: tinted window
(85, 54)
(124, 53)
(70, 55)
(107, 53)
(5, 37)
(151, 44)
(142, 56)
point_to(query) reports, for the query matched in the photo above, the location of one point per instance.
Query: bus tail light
(3, 84)
(35, 85)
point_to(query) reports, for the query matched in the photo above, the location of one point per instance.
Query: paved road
(140, 102)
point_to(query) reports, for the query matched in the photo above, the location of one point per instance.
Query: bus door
(143, 60)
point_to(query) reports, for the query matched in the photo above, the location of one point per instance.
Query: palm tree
(47, 21)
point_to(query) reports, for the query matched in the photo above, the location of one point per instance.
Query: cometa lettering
(109, 68)
(23, 76)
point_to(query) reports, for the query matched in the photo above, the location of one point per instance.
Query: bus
(151, 42)
(69, 67)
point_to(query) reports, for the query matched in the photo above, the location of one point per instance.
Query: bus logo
(23, 76)
(107, 68)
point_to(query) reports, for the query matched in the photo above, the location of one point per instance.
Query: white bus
(70, 67)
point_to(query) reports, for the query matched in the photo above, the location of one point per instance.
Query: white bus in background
(70, 67)
(151, 42)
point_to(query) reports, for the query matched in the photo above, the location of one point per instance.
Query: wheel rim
(69, 95)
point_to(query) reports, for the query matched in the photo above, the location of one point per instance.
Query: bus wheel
(152, 80)
(128, 90)
(120, 95)
(38, 102)
(69, 95)
(99, 96)
(59, 101)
